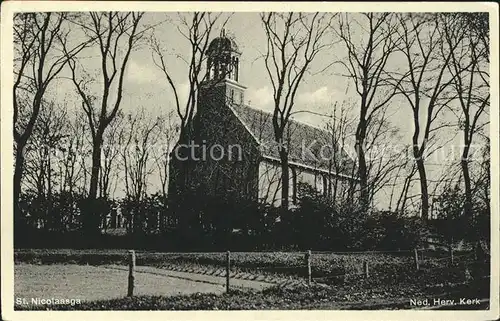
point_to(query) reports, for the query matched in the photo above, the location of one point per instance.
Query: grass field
(88, 283)
(351, 297)
(287, 263)
(97, 276)
(393, 268)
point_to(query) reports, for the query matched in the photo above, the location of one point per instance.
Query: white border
(7, 162)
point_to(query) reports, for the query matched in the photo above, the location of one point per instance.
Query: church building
(237, 153)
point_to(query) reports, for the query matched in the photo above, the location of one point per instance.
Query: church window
(223, 71)
(216, 71)
(231, 70)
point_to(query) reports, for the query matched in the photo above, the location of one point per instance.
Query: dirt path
(86, 283)
(196, 277)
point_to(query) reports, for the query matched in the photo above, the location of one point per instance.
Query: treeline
(222, 223)
(71, 155)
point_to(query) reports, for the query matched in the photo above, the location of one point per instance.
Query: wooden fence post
(416, 259)
(365, 268)
(228, 265)
(308, 263)
(131, 269)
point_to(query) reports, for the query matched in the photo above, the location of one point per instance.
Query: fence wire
(221, 257)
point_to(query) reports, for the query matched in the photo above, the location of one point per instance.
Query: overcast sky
(146, 86)
(246, 29)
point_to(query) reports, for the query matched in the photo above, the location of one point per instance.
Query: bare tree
(469, 67)
(136, 140)
(197, 28)
(384, 156)
(410, 170)
(50, 169)
(138, 137)
(110, 151)
(82, 150)
(270, 183)
(38, 38)
(166, 138)
(46, 141)
(71, 170)
(167, 131)
(482, 184)
(113, 30)
(424, 86)
(293, 42)
(367, 67)
(341, 130)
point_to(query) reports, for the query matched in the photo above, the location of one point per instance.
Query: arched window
(231, 68)
(216, 71)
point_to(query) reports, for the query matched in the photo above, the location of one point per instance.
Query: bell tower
(223, 71)
(223, 59)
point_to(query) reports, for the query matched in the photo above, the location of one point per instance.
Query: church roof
(308, 146)
(222, 44)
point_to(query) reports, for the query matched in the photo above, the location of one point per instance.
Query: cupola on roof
(223, 59)
(223, 44)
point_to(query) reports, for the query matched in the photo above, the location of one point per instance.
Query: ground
(89, 283)
(257, 281)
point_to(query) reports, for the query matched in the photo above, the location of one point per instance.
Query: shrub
(390, 231)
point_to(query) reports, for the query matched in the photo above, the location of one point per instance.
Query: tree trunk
(363, 179)
(53, 217)
(403, 198)
(164, 213)
(284, 178)
(468, 209)
(18, 173)
(362, 169)
(424, 193)
(96, 165)
(467, 181)
(92, 212)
